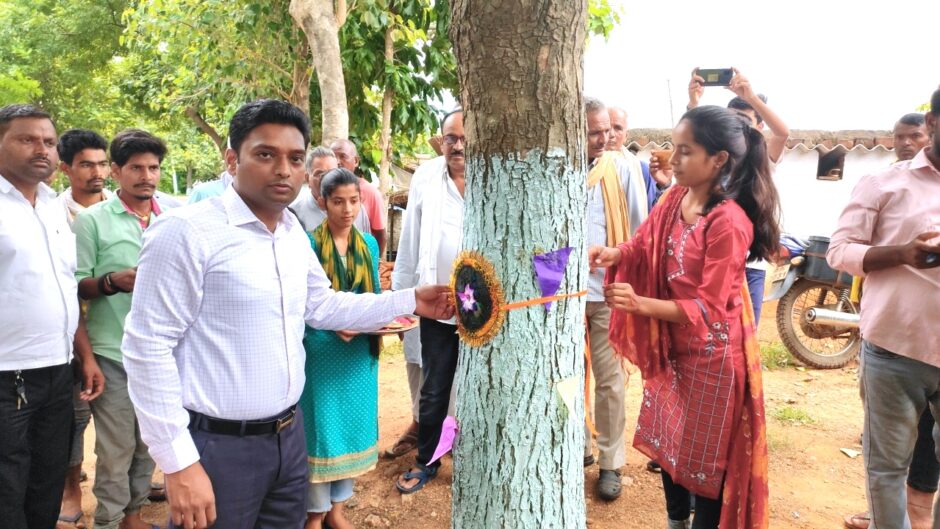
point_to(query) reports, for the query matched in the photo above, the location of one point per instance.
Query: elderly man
(617, 205)
(372, 202)
(618, 138)
(307, 206)
(38, 322)
(431, 237)
(890, 233)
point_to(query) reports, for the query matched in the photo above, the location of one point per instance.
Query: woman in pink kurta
(683, 316)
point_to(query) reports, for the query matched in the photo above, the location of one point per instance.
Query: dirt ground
(812, 416)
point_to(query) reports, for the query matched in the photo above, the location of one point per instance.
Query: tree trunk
(300, 79)
(208, 129)
(385, 137)
(189, 179)
(317, 19)
(518, 460)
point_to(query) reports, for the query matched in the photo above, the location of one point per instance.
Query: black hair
(335, 178)
(261, 112)
(129, 142)
(737, 103)
(745, 177)
(935, 103)
(447, 116)
(20, 111)
(913, 119)
(74, 141)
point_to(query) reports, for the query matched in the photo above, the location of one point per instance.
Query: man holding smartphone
(887, 233)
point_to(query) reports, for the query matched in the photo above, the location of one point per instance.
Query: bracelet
(105, 286)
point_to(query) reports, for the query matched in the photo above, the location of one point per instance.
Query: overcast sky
(827, 64)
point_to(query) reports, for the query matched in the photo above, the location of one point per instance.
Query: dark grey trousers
(259, 481)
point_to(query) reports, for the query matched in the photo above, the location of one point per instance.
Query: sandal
(653, 466)
(157, 492)
(406, 443)
(423, 474)
(857, 521)
(74, 519)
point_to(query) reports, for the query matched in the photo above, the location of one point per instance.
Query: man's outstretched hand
(434, 302)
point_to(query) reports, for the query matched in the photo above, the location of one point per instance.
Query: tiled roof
(799, 139)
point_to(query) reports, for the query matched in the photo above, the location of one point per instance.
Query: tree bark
(189, 179)
(318, 21)
(385, 137)
(300, 79)
(208, 129)
(518, 460)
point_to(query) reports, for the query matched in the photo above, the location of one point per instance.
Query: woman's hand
(601, 257)
(620, 296)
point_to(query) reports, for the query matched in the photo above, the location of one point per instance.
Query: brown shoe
(405, 444)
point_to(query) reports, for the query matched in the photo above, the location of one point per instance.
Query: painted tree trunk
(319, 22)
(518, 460)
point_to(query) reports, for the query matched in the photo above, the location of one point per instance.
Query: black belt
(205, 423)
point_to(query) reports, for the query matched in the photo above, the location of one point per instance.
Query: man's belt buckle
(284, 422)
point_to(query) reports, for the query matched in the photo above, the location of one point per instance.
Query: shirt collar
(239, 214)
(920, 161)
(44, 193)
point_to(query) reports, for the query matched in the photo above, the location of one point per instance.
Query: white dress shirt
(39, 312)
(432, 230)
(217, 320)
(73, 208)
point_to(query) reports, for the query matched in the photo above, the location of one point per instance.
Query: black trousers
(439, 346)
(678, 505)
(34, 446)
(924, 472)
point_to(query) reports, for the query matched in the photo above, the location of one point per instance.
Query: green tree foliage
(181, 67)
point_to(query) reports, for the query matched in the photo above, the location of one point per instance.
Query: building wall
(811, 206)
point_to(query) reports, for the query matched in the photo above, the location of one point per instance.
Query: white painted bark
(319, 23)
(518, 460)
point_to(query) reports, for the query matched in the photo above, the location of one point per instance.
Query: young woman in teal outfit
(340, 397)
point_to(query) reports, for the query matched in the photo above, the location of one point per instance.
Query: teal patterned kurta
(340, 400)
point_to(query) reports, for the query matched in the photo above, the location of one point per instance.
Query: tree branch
(205, 127)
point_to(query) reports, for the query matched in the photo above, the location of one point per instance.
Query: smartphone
(716, 76)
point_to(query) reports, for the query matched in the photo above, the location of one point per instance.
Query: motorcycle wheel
(819, 346)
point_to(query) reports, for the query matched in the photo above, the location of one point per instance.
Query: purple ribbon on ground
(550, 271)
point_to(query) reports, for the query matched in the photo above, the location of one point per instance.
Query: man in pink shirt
(372, 201)
(890, 233)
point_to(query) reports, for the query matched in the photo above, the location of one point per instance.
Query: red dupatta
(645, 342)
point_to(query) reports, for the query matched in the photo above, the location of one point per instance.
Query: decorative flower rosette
(478, 297)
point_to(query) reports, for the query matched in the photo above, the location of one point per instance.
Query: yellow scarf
(616, 211)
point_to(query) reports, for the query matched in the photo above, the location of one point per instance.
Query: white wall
(811, 206)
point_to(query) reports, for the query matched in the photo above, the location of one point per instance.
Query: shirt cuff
(177, 455)
(853, 259)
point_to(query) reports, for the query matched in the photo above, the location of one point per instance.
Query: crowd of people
(230, 342)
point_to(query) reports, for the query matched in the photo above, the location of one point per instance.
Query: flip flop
(653, 466)
(406, 443)
(423, 474)
(157, 492)
(857, 521)
(73, 519)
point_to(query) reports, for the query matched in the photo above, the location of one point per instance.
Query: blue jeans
(322, 496)
(895, 392)
(755, 284)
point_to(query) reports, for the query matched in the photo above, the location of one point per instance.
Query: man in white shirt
(213, 343)
(430, 241)
(307, 207)
(84, 160)
(38, 323)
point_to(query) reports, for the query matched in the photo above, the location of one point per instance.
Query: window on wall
(831, 163)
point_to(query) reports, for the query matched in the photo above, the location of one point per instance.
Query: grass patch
(792, 415)
(391, 348)
(777, 441)
(774, 355)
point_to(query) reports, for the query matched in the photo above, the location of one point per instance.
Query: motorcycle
(818, 309)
